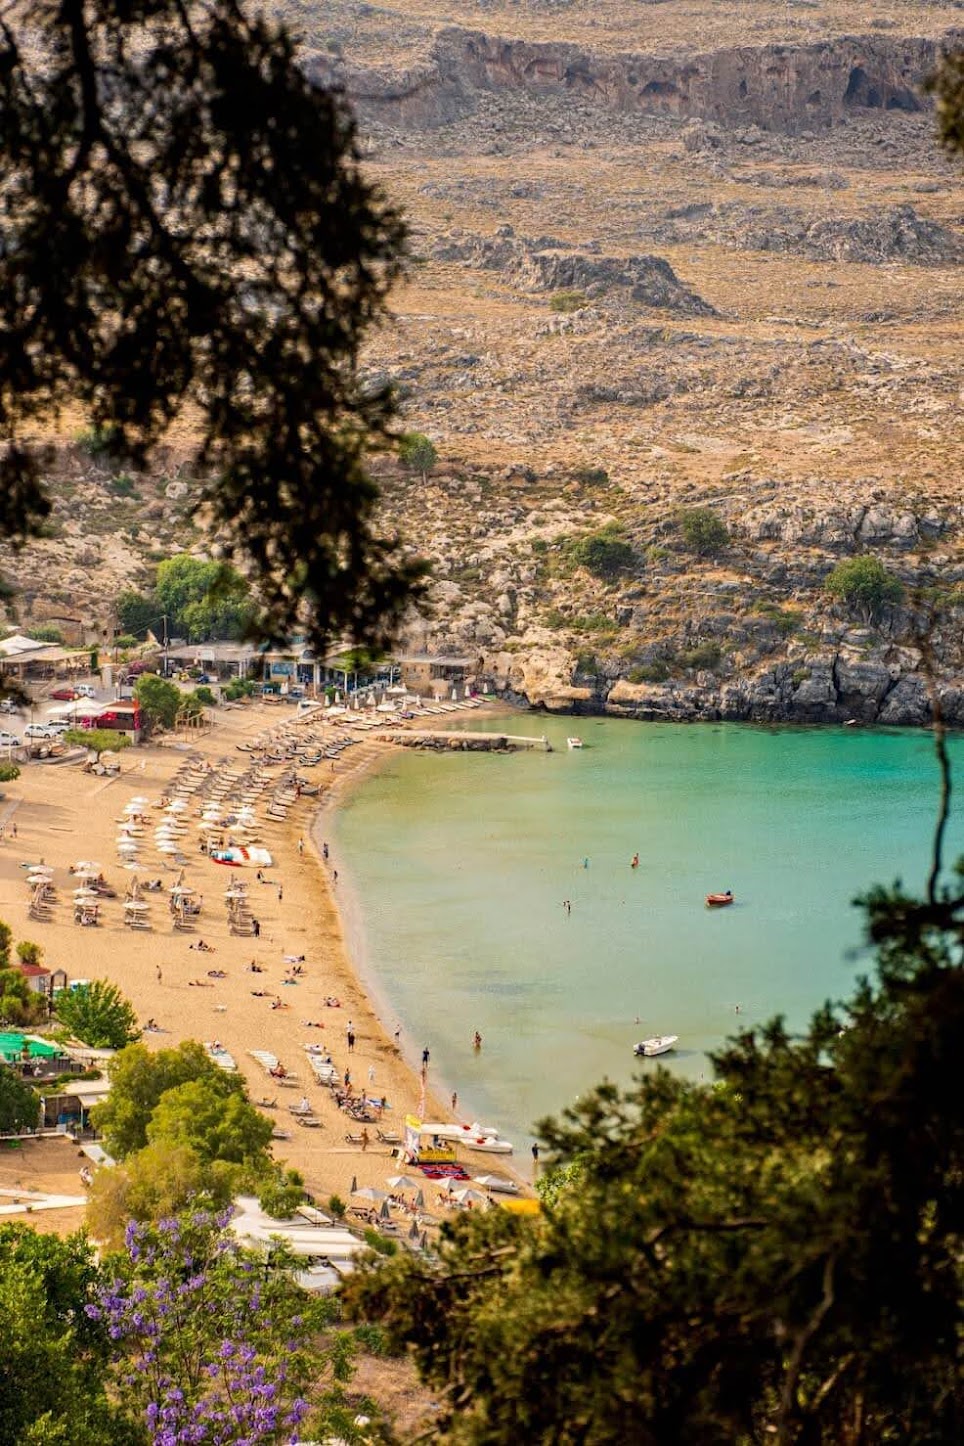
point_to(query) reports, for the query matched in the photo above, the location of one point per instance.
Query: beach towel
(444, 1172)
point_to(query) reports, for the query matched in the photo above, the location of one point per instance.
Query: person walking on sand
(425, 1057)
(301, 846)
(158, 973)
(324, 852)
(364, 1141)
(280, 893)
(351, 1042)
(255, 925)
(371, 1074)
(455, 1101)
(535, 1156)
(398, 1036)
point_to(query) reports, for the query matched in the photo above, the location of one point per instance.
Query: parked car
(84, 690)
(7, 705)
(65, 695)
(9, 740)
(58, 726)
(38, 730)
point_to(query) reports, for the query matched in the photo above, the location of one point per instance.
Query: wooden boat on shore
(659, 1044)
(719, 901)
(575, 742)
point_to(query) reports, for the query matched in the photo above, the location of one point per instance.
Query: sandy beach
(63, 815)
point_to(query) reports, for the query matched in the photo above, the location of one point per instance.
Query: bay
(454, 869)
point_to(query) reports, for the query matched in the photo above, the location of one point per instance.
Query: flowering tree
(212, 1344)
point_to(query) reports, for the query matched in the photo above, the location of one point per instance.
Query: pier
(465, 742)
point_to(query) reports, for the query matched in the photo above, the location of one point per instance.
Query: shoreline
(63, 815)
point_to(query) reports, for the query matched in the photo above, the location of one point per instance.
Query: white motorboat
(659, 1044)
(448, 1131)
(575, 742)
(491, 1144)
(498, 1183)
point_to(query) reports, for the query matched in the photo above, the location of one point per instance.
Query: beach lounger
(388, 1137)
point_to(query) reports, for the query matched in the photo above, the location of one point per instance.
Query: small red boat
(719, 901)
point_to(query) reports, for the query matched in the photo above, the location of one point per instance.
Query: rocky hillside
(699, 254)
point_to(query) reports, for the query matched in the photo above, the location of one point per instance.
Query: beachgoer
(256, 927)
(158, 973)
(635, 862)
(364, 1140)
(425, 1057)
(455, 1101)
(347, 1079)
(301, 845)
(334, 876)
(585, 863)
(398, 1035)
(567, 906)
(371, 1074)
(535, 1154)
(304, 1107)
(260, 877)
(280, 893)
(13, 830)
(351, 1042)
(324, 852)
(477, 1041)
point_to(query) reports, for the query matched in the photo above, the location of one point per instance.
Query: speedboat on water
(719, 901)
(450, 1131)
(575, 742)
(659, 1044)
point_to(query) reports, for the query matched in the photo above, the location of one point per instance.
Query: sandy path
(64, 815)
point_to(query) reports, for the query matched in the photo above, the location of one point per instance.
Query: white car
(59, 725)
(38, 730)
(9, 740)
(84, 690)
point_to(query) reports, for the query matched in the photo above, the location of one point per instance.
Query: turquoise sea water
(454, 869)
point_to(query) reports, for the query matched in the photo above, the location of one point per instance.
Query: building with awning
(22, 658)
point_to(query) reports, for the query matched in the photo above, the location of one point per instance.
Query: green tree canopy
(9, 773)
(159, 699)
(19, 1103)
(417, 452)
(154, 1184)
(605, 553)
(216, 1126)
(139, 612)
(864, 584)
(775, 1257)
(138, 1080)
(98, 740)
(52, 1355)
(703, 530)
(168, 251)
(98, 1014)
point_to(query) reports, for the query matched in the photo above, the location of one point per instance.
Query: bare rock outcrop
(777, 87)
(545, 264)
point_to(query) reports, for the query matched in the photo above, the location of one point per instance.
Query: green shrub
(123, 485)
(703, 531)
(46, 634)
(801, 675)
(705, 655)
(587, 663)
(9, 772)
(337, 1207)
(591, 476)
(649, 673)
(417, 453)
(556, 619)
(204, 696)
(101, 441)
(864, 585)
(657, 554)
(605, 553)
(30, 953)
(568, 301)
(380, 1243)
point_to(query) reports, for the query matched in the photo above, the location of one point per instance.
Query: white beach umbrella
(136, 906)
(86, 866)
(167, 848)
(371, 1192)
(468, 1196)
(404, 1182)
(139, 799)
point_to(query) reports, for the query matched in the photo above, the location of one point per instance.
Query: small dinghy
(575, 742)
(719, 901)
(659, 1044)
